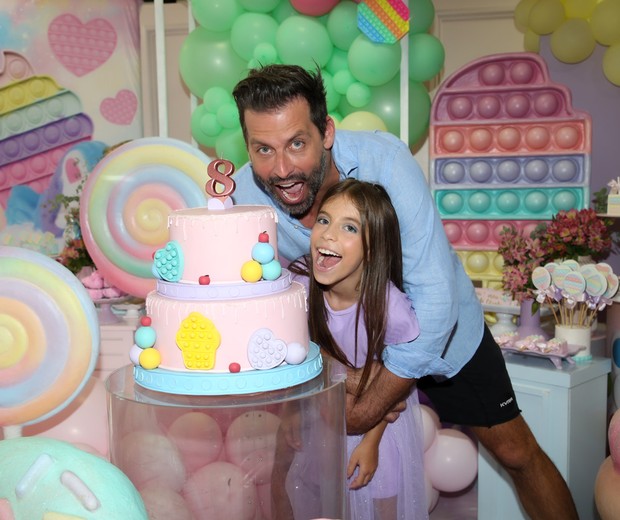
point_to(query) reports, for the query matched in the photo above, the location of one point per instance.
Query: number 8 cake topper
(220, 200)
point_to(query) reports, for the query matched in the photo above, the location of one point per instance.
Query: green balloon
(373, 63)
(333, 97)
(250, 30)
(265, 53)
(259, 6)
(338, 61)
(343, 80)
(385, 103)
(426, 56)
(231, 146)
(358, 94)
(422, 16)
(228, 116)
(342, 24)
(204, 126)
(215, 97)
(208, 60)
(216, 15)
(283, 11)
(303, 41)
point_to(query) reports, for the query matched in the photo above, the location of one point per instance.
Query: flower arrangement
(569, 235)
(578, 233)
(522, 254)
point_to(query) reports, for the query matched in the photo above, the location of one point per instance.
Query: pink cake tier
(214, 325)
(218, 242)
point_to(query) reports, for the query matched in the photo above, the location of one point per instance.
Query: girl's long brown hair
(382, 251)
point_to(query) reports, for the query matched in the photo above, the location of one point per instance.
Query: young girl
(356, 308)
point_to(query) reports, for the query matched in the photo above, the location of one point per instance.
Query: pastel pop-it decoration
(168, 262)
(265, 350)
(198, 339)
(483, 234)
(383, 21)
(13, 67)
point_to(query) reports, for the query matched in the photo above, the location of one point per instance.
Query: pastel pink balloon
(613, 435)
(314, 7)
(430, 425)
(606, 488)
(150, 459)
(83, 422)
(258, 466)
(198, 438)
(162, 503)
(264, 498)
(220, 490)
(251, 431)
(451, 462)
(432, 494)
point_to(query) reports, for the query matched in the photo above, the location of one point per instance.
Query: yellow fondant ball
(251, 271)
(150, 358)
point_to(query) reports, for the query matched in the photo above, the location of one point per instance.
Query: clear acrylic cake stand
(282, 450)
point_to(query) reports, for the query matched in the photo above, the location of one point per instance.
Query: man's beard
(314, 183)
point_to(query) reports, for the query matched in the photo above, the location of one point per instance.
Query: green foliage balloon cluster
(361, 77)
(575, 26)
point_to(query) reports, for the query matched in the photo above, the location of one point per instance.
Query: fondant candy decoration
(198, 339)
(49, 337)
(272, 270)
(295, 354)
(265, 350)
(168, 262)
(126, 203)
(251, 271)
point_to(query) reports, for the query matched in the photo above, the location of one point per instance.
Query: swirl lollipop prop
(126, 202)
(49, 338)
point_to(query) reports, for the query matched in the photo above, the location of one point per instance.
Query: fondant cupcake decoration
(220, 172)
(265, 350)
(198, 339)
(168, 262)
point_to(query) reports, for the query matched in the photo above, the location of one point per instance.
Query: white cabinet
(116, 341)
(566, 410)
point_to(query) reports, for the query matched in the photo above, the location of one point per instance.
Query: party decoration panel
(126, 202)
(507, 147)
(51, 325)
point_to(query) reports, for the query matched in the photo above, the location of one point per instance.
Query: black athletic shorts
(481, 394)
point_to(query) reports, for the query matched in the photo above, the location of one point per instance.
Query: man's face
(288, 154)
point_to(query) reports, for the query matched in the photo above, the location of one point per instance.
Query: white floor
(457, 506)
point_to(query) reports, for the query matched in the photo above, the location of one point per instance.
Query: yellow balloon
(546, 16)
(579, 8)
(611, 64)
(362, 120)
(573, 41)
(605, 22)
(531, 41)
(522, 14)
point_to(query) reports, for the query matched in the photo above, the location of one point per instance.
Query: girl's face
(336, 245)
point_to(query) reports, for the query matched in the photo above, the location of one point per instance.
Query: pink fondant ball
(251, 431)
(163, 503)
(198, 438)
(220, 490)
(151, 459)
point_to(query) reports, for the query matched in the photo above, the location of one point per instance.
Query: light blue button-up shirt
(449, 313)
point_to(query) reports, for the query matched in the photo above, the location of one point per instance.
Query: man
(295, 156)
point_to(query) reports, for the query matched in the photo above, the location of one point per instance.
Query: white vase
(575, 335)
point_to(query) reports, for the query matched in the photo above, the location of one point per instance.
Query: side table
(566, 410)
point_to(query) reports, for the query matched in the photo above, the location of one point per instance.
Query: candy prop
(49, 326)
(383, 21)
(126, 202)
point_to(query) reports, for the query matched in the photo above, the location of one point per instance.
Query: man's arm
(381, 396)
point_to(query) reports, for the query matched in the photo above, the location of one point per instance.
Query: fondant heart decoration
(168, 262)
(265, 350)
(121, 109)
(81, 47)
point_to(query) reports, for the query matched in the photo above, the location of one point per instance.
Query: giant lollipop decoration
(49, 338)
(126, 202)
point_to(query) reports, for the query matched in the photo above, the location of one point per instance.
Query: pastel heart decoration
(81, 47)
(120, 109)
(265, 350)
(168, 262)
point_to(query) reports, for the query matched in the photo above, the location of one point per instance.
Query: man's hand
(383, 397)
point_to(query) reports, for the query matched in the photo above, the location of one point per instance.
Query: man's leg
(541, 488)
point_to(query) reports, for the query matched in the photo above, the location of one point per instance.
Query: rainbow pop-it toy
(39, 122)
(383, 21)
(506, 148)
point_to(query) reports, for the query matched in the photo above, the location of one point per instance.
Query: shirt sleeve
(402, 323)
